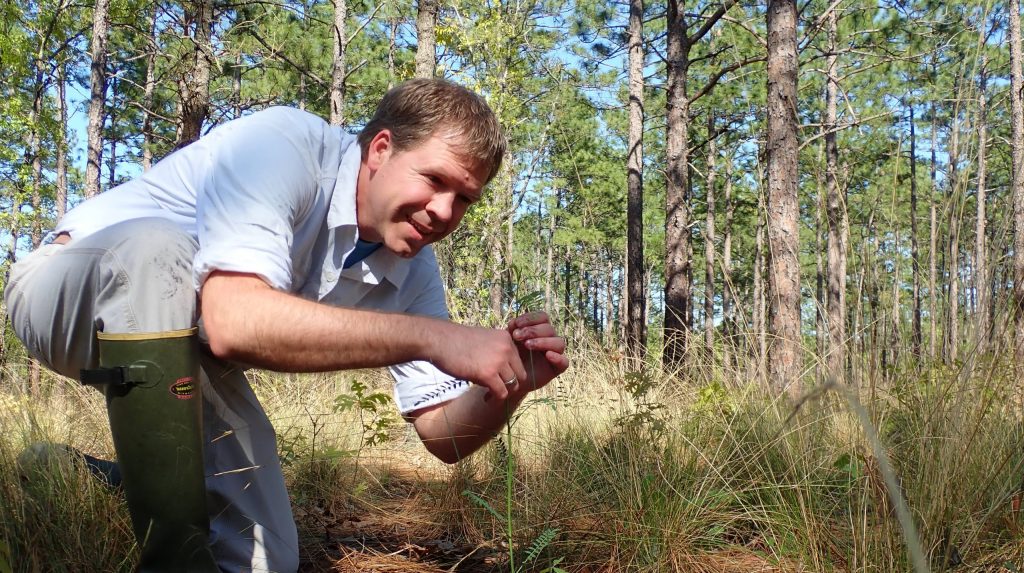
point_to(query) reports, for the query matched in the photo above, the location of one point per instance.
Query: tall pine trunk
(784, 360)
(933, 240)
(194, 84)
(97, 96)
(838, 224)
(980, 249)
(61, 199)
(35, 121)
(1017, 180)
(709, 241)
(635, 320)
(916, 337)
(549, 267)
(339, 70)
(148, 91)
(820, 302)
(112, 139)
(728, 296)
(951, 339)
(426, 55)
(393, 23)
(677, 210)
(35, 137)
(760, 339)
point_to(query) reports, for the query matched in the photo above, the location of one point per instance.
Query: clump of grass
(725, 469)
(53, 515)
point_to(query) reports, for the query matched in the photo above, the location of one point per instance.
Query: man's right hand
(484, 356)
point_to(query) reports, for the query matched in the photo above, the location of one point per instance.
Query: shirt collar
(343, 199)
(342, 213)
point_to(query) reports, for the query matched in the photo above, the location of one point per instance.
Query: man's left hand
(540, 348)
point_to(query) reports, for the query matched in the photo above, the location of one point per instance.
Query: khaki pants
(136, 276)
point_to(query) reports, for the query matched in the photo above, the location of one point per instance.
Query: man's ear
(379, 149)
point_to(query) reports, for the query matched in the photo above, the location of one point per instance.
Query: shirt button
(331, 277)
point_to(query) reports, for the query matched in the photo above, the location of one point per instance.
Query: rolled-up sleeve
(420, 384)
(263, 178)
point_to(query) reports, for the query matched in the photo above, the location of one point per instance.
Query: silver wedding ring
(512, 381)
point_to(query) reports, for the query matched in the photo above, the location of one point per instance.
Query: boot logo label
(183, 388)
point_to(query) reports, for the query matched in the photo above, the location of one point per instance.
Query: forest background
(732, 208)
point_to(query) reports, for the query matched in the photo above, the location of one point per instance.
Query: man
(285, 228)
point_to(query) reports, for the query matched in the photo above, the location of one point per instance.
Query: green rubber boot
(153, 399)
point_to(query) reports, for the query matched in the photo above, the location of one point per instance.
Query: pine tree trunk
(980, 249)
(236, 86)
(510, 229)
(952, 331)
(1017, 180)
(858, 340)
(112, 117)
(677, 210)
(784, 360)
(147, 97)
(894, 316)
(195, 82)
(339, 70)
(609, 302)
(623, 288)
(97, 94)
(916, 338)
(34, 151)
(709, 241)
(392, 48)
(933, 237)
(549, 269)
(61, 198)
(838, 224)
(635, 320)
(759, 349)
(821, 304)
(426, 55)
(34, 143)
(728, 318)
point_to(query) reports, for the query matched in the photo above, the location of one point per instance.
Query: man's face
(409, 199)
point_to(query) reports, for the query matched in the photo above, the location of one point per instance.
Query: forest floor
(605, 471)
(394, 532)
(398, 529)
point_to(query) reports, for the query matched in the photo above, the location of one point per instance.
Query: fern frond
(483, 503)
(543, 540)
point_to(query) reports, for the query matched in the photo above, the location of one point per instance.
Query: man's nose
(440, 207)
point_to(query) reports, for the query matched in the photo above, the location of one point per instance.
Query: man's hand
(484, 356)
(540, 349)
(454, 429)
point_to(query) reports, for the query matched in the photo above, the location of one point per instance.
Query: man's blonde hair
(417, 109)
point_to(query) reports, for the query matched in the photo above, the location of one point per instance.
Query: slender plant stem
(509, 470)
(509, 476)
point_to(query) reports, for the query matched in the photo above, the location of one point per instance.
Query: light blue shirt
(273, 194)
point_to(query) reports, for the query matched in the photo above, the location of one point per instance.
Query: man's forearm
(458, 428)
(254, 324)
(247, 321)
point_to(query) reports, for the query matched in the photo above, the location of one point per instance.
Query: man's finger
(528, 319)
(542, 330)
(519, 368)
(559, 362)
(496, 386)
(546, 344)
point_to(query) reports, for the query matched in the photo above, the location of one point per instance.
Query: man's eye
(434, 179)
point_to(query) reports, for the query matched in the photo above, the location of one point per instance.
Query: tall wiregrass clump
(54, 516)
(640, 471)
